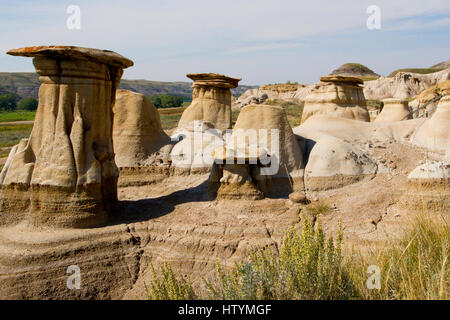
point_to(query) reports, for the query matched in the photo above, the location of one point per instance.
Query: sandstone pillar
(337, 96)
(211, 100)
(67, 165)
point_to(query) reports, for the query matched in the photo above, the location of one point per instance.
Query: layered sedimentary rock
(338, 96)
(211, 100)
(262, 157)
(434, 133)
(66, 167)
(427, 100)
(280, 92)
(394, 110)
(428, 188)
(252, 96)
(403, 85)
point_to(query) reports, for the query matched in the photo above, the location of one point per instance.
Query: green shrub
(8, 102)
(168, 286)
(166, 101)
(29, 104)
(308, 267)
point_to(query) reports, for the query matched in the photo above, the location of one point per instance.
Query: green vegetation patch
(311, 266)
(11, 134)
(415, 70)
(17, 116)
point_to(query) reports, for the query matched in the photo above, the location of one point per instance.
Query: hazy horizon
(259, 41)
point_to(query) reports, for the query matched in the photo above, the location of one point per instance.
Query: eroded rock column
(67, 165)
(211, 100)
(338, 96)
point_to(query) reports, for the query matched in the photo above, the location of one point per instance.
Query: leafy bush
(29, 104)
(8, 102)
(166, 101)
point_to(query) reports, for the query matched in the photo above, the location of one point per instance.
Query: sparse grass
(170, 117)
(368, 78)
(294, 112)
(415, 70)
(311, 267)
(414, 268)
(11, 134)
(17, 116)
(317, 208)
(1, 167)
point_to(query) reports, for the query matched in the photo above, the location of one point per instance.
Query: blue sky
(260, 41)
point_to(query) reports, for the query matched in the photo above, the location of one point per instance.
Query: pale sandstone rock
(394, 110)
(252, 96)
(434, 133)
(428, 95)
(428, 188)
(336, 148)
(211, 100)
(137, 132)
(192, 153)
(338, 96)
(257, 128)
(298, 197)
(403, 85)
(67, 167)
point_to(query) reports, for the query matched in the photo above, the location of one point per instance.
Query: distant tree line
(8, 102)
(166, 101)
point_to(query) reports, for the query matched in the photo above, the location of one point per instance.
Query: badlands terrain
(101, 184)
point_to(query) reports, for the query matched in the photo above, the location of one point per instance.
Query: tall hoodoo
(338, 96)
(211, 100)
(66, 169)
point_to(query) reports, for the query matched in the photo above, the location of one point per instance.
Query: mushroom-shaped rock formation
(338, 96)
(394, 110)
(66, 171)
(434, 133)
(428, 188)
(262, 157)
(211, 100)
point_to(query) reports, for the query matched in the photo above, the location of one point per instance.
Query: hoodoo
(338, 96)
(211, 100)
(65, 171)
(262, 157)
